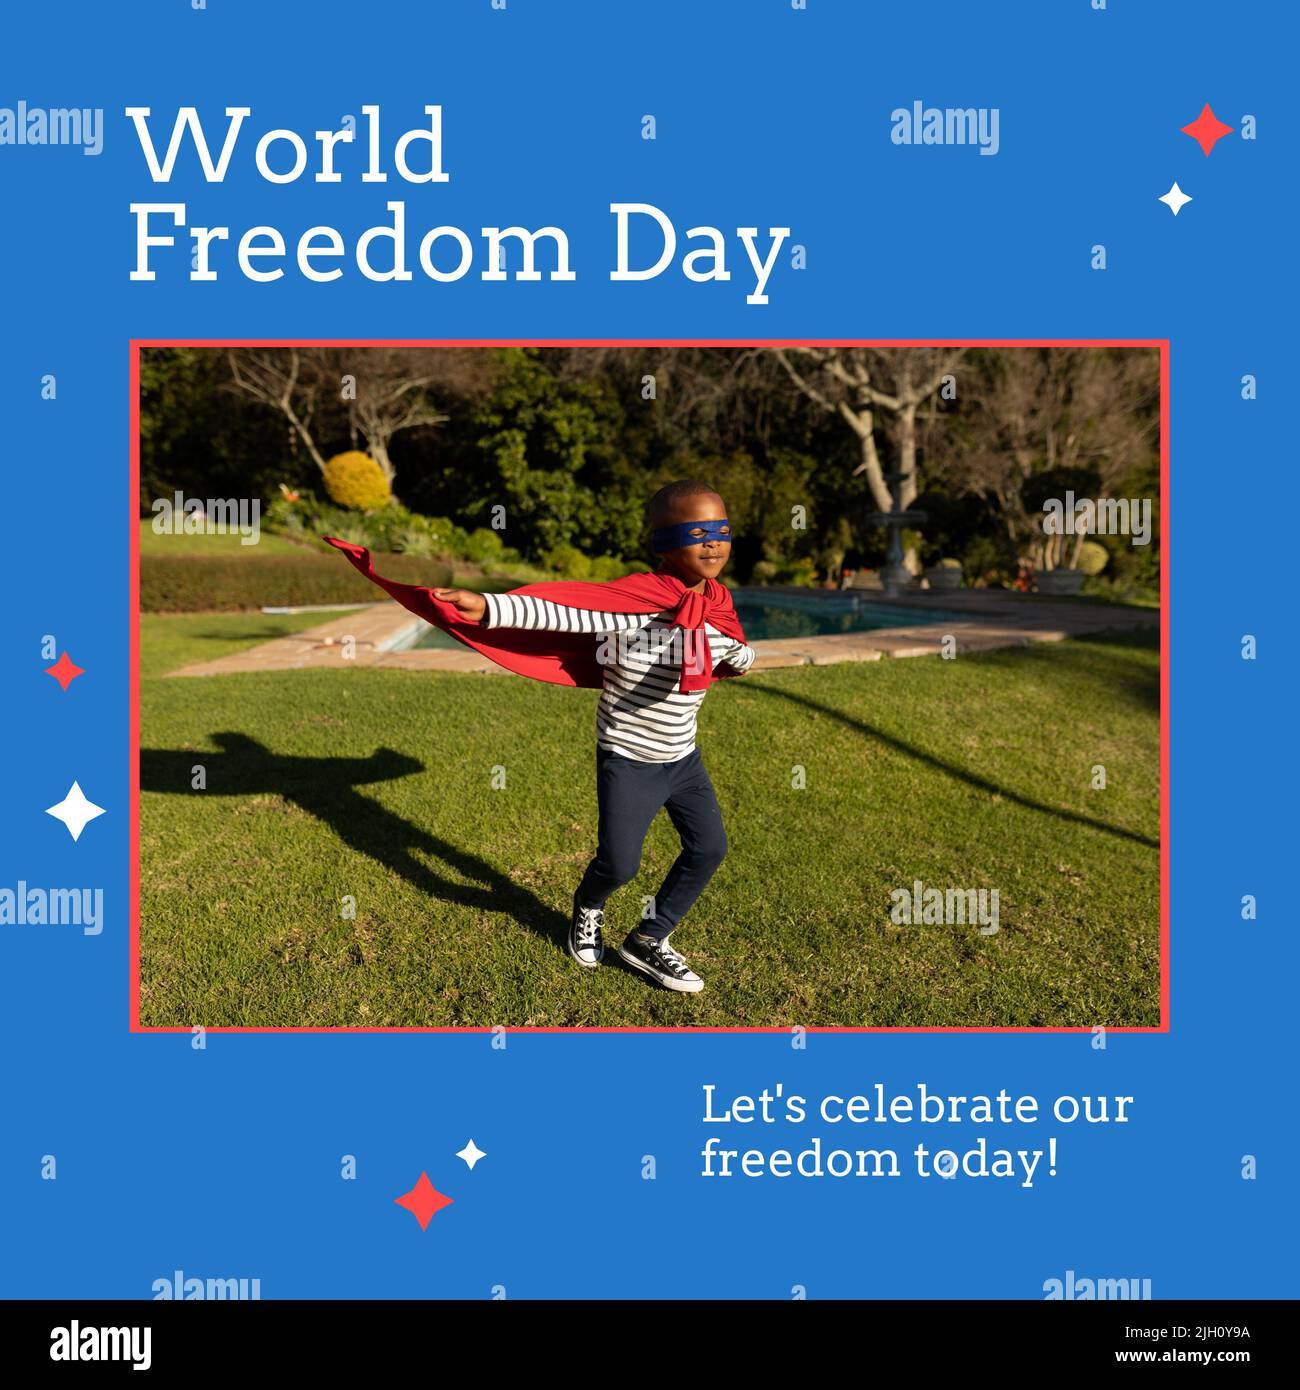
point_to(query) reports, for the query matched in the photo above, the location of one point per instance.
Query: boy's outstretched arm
(536, 614)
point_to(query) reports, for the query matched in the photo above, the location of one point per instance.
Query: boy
(645, 725)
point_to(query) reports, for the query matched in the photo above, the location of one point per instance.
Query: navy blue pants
(629, 795)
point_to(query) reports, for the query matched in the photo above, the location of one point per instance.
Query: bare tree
(287, 380)
(853, 383)
(1032, 410)
(386, 391)
(383, 390)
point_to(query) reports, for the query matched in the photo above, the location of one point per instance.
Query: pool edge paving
(374, 637)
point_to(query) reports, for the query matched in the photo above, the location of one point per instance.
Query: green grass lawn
(377, 786)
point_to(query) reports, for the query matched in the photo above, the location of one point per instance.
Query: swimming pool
(777, 614)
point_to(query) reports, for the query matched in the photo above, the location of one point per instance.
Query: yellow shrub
(1093, 557)
(355, 480)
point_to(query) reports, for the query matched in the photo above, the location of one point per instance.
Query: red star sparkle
(64, 671)
(423, 1201)
(1206, 129)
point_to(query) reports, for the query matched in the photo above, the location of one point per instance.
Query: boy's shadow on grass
(326, 789)
(971, 779)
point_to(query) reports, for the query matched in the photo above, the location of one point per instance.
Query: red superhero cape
(569, 658)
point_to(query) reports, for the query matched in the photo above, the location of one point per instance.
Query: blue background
(225, 1162)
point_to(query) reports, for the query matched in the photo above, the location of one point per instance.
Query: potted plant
(1055, 554)
(1060, 581)
(945, 575)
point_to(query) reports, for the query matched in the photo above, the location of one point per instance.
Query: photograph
(426, 633)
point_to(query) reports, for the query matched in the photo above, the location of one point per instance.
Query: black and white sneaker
(585, 943)
(658, 960)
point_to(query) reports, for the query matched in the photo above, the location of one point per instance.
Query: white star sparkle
(471, 1153)
(1175, 199)
(75, 811)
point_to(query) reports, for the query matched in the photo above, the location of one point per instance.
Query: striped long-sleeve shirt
(643, 713)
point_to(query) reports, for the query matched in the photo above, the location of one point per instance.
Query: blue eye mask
(689, 533)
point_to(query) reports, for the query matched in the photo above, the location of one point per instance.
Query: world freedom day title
(647, 243)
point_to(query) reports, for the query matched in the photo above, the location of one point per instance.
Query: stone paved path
(983, 619)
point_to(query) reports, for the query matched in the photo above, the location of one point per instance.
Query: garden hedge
(194, 584)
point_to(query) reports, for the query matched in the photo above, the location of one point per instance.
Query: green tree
(551, 449)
